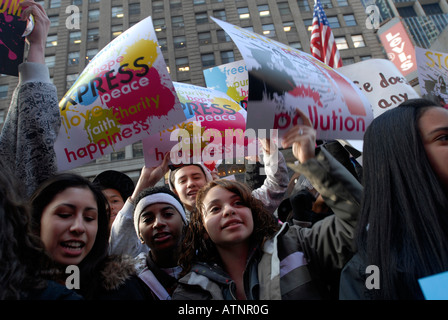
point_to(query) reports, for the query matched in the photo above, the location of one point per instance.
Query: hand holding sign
(302, 137)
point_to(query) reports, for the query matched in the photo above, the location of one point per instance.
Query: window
(157, 6)
(342, 3)
(182, 64)
(94, 1)
(177, 21)
(3, 91)
(175, 4)
(283, 7)
(334, 22)
(243, 13)
(222, 36)
(52, 40)
(433, 8)
(75, 37)
(220, 14)
(94, 15)
(308, 24)
(303, 5)
(201, 18)
(137, 149)
(326, 4)
(50, 61)
(365, 58)
(2, 116)
(73, 58)
(90, 54)
(288, 26)
(195, 2)
(134, 8)
(263, 10)
(93, 34)
(204, 37)
(268, 30)
(208, 59)
(159, 24)
(349, 20)
(406, 12)
(117, 12)
(70, 79)
(116, 30)
(227, 56)
(347, 61)
(341, 43)
(179, 42)
(55, 3)
(163, 44)
(296, 45)
(54, 21)
(119, 155)
(77, 2)
(358, 41)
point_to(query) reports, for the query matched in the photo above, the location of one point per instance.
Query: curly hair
(22, 254)
(197, 247)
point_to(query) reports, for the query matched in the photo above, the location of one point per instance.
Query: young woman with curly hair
(235, 249)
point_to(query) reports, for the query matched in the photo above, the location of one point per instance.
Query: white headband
(157, 198)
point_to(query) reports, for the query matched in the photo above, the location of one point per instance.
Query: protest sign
(432, 68)
(381, 82)
(282, 79)
(123, 95)
(213, 129)
(12, 42)
(230, 78)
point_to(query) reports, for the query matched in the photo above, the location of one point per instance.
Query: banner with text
(12, 42)
(381, 82)
(230, 78)
(432, 67)
(213, 129)
(282, 79)
(123, 95)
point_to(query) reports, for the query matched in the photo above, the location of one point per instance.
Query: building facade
(190, 42)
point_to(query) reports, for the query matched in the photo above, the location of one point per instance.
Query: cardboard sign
(432, 67)
(205, 135)
(230, 78)
(122, 96)
(381, 82)
(282, 79)
(12, 42)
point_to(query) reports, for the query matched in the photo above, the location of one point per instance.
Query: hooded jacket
(298, 262)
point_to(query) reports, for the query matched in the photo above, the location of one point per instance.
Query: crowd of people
(309, 235)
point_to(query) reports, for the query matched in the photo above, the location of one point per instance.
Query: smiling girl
(235, 249)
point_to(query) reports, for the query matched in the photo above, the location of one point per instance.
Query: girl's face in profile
(227, 220)
(69, 225)
(433, 126)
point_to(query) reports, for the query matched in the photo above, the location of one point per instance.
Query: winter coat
(119, 281)
(298, 262)
(31, 127)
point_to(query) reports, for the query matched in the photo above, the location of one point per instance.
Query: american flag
(323, 46)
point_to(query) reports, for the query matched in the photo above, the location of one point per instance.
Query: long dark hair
(197, 248)
(403, 226)
(22, 254)
(93, 262)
